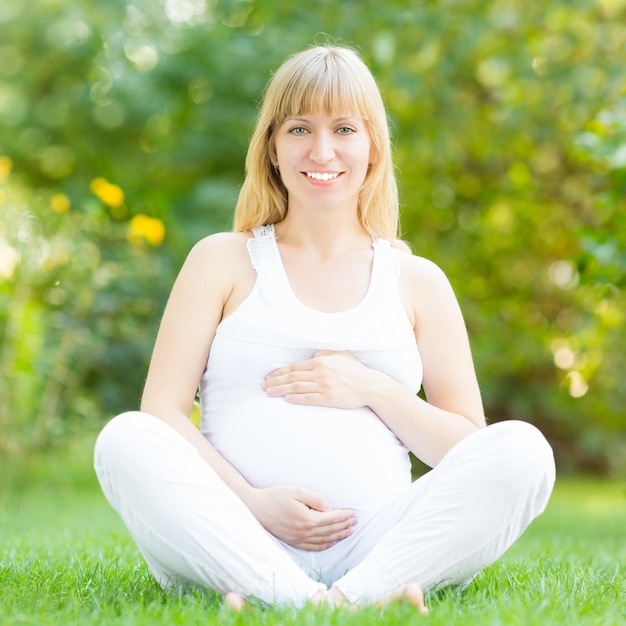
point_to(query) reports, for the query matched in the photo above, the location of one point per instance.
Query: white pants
(451, 523)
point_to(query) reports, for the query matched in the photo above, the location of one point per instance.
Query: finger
(295, 389)
(299, 366)
(325, 515)
(322, 536)
(331, 525)
(325, 535)
(311, 397)
(333, 532)
(314, 501)
(323, 542)
(324, 399)
(325, 353)
(339, 524)
(288, 378)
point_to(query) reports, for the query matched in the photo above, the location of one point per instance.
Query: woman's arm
(214, 280)
(453, 408)
(193, 311)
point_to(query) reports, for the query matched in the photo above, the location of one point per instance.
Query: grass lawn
(65, 559)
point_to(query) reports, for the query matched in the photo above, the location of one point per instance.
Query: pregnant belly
(348, 456)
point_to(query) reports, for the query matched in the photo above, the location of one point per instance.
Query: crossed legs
(450, 524)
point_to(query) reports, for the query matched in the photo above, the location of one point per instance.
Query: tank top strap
(260, 247)
(265, 259)
(385, 271)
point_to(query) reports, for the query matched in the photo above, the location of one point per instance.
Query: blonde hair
(333, 80)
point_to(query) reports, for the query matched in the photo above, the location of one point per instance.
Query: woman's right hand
(299, 517)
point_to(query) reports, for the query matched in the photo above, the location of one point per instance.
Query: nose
(322, 148)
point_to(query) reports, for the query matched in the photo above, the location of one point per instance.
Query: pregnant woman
(310, 330)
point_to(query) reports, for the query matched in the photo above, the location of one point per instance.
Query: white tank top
(348, 456)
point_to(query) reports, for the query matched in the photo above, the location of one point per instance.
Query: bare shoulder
(418, 270)
(213, 266)
(226, 243)
(220, 264)
(424, 289)
(414, 265)
(218, 255)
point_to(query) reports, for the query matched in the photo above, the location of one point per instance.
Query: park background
(123, 131)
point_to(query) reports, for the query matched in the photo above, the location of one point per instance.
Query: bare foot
(332, 597)
(234, 601)
(319, 598)
(410, 593)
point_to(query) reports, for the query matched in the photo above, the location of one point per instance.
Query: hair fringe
(333, 79)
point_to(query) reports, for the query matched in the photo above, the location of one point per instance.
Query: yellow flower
(110, 194)
(6, 165)
(145, 228)
(60, 203)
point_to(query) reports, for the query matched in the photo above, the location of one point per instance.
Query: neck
(321, 232)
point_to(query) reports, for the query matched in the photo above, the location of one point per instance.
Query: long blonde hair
(334, 80)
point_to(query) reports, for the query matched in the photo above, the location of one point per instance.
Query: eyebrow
(334, 120)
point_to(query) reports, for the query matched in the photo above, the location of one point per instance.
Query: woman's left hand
(334, 379)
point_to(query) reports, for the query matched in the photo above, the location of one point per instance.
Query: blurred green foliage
(123, 130)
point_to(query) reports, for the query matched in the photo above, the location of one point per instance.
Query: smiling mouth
(322, 175)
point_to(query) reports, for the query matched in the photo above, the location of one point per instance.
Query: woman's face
(323, 160)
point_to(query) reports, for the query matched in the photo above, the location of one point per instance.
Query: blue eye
(298, 130)
(346, 130)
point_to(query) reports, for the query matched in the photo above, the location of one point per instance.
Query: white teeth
(322, 175)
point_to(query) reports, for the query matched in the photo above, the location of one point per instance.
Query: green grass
(65, 559)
